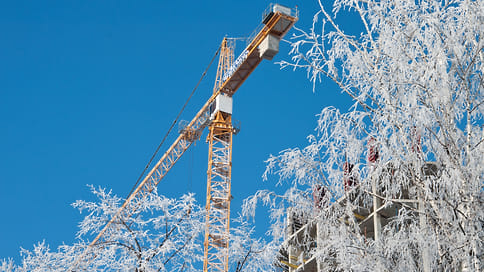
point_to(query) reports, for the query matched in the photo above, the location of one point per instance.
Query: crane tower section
(219, 170)
(230, 76)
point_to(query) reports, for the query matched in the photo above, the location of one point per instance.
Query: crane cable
(161, 143)
(174, 123)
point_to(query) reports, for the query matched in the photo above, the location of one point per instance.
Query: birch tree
(415, 76)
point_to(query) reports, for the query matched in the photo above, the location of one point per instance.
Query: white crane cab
(222, 103)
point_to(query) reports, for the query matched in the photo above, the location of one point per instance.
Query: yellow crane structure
(216, 113)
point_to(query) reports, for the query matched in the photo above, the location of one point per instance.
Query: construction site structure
(216, 114)
(372, 213)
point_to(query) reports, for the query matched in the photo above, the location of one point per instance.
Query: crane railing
(276, 24)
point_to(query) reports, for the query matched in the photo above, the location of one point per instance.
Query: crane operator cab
(222, 103)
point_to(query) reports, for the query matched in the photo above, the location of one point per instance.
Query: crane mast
(216, 113)
(219, 171)
(277, 21)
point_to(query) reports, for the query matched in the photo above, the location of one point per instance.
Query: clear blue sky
(88, 89)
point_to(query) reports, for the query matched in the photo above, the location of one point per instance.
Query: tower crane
(215, 114)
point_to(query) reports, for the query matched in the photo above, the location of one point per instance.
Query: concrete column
(376, 206)
(294, 253)
(423, 227)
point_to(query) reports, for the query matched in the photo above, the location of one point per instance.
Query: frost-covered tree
(415, 75)
(164, 235)
(247, 252)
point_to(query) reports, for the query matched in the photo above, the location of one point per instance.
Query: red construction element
(349, 176)
(319, 193)
(373, 152)
(416, 140)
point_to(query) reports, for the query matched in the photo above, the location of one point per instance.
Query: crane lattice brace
(216, 114)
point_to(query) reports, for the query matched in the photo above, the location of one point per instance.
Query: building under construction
(373, 210)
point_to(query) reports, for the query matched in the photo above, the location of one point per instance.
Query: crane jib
(236, 65)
